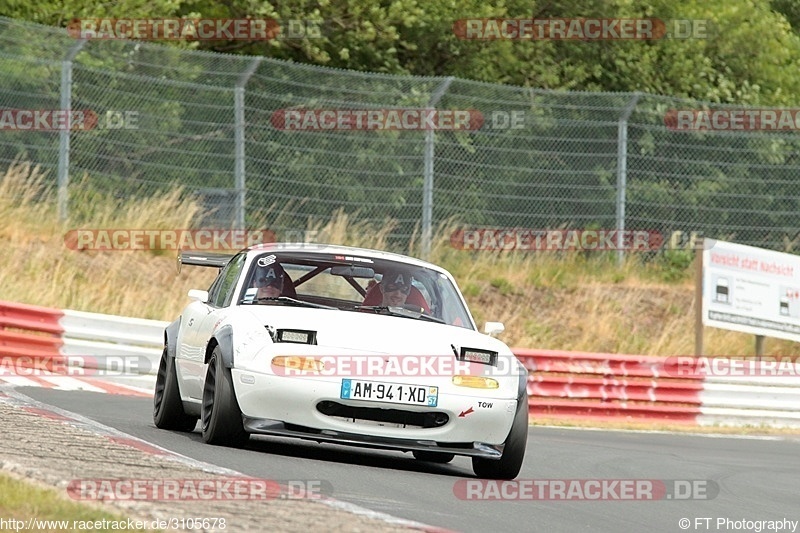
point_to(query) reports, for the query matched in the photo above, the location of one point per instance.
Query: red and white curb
(68, 383)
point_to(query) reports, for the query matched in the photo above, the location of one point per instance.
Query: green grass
(22, 501)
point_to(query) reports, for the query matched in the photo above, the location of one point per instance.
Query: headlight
(476, 382)
(298, 363)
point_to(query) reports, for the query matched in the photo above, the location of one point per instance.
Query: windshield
(353, 284)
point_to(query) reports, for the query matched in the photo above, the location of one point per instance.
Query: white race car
(342, 345)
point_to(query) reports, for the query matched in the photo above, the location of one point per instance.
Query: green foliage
(750, 55)
(503, 285)
(675, 265)
(471, 290)
(61, 12)
(790, 9)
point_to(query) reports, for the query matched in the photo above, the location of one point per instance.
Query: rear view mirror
(199, 295)
(250, 295)
(351, 271)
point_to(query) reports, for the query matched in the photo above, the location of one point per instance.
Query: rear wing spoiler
(203, 259)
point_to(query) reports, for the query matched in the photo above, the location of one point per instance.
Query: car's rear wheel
(433, 457)
(221, 416)
(168, 410)
(509, 465)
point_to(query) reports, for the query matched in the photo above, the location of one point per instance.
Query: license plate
(378, 391)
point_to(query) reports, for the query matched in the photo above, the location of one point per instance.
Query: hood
(341, 332)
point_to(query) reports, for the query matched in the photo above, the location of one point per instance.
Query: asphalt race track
(758, 478)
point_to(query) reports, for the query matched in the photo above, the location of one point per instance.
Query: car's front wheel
(168, 410)
(220, 414)
(509, 465)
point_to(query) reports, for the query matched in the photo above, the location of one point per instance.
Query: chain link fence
(205, 122)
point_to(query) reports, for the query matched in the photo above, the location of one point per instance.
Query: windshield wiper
(399, 311)
(293, 301)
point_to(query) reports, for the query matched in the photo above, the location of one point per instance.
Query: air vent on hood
(476, 355)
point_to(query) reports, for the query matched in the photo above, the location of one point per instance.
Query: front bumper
(281, 429)
(477, 421)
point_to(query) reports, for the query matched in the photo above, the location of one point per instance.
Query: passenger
(395, 287)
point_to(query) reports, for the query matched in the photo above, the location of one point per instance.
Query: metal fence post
(622, 173)
(427, 185)
(238, 111)
(64, 135)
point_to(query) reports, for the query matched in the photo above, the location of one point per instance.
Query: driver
(396, 290)
(269, 280)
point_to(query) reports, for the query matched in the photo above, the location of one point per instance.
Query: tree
(751, 54)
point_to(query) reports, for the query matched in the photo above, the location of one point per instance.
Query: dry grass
(36, 266)
(572, 301)
(557, 301)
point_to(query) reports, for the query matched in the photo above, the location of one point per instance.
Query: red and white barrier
(38, 343)
(594, 386)
(635, 388)
(17, 321)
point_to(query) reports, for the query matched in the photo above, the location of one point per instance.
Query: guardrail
(608, 387)
(597, 386)
(48, 337)
(561, 385)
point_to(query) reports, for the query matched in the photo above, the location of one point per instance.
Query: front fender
(223, 338)
(522, 385)
(171, 337)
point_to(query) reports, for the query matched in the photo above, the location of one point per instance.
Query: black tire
(168, 410)
(509, 465)
(433, 457)
(221, 417)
